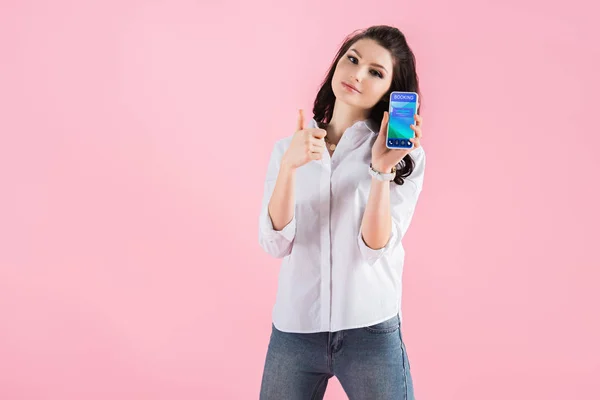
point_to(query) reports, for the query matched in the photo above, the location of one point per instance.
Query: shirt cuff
(269, 232)
(370, 255)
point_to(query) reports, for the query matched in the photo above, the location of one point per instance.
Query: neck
(344, 116)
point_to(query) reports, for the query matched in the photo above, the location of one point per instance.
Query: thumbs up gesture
(307, 145)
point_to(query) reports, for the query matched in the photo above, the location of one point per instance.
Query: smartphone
(403, 107)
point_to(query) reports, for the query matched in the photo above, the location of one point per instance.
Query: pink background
(134, 141)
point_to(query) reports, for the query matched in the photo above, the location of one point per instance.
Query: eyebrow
(375, 65)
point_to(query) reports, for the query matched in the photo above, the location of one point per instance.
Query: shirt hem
(341, 329)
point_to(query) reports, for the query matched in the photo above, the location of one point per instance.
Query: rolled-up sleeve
(276, 243)
(403, 201)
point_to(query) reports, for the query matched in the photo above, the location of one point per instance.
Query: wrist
(382, 168)
(387, 176)
(286, 166)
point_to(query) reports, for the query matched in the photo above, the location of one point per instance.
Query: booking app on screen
(403, 107)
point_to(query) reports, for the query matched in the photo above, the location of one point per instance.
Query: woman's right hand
(307, 145)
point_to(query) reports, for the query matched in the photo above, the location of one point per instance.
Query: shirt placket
(325, 222)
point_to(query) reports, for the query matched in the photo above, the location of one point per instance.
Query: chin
(352, 102)
(346, 98)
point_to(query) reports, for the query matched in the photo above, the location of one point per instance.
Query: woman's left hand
(384, 159)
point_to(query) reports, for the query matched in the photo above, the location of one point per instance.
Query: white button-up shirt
(329, 278)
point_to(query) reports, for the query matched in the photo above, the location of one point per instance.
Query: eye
(374, 72)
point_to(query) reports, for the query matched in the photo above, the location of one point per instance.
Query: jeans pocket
(387, 326)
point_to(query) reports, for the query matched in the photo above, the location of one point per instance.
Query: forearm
(377, 218)
(282, 202)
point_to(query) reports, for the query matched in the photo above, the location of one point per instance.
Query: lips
(350, 87)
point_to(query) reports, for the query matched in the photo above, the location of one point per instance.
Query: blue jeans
(370, 363)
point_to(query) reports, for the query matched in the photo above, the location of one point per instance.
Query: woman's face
(363, 75)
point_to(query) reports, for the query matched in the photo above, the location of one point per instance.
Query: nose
(360, 73)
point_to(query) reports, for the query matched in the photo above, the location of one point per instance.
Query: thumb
(384, 123)
(300, 124)
(383, 130)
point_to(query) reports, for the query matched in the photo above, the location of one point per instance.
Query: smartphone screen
(403, 107)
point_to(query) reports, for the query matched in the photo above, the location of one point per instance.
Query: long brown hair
(404, 78)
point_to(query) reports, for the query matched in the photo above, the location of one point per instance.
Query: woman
(337, 203)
